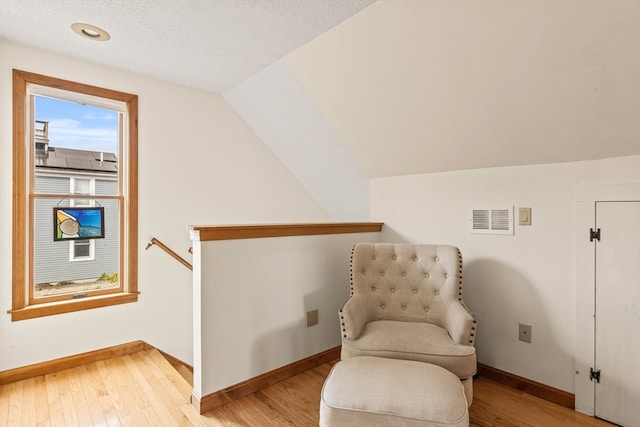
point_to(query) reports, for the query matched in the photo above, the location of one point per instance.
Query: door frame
(584, 335)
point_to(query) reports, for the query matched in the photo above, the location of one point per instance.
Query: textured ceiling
(207, 44)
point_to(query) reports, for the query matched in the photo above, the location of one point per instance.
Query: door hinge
(594, 375)
(594, 234)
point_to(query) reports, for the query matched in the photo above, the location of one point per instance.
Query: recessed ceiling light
(90, 32)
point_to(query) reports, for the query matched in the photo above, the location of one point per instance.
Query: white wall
(199, 164)
(276, 107)
(528, 277)
(251, 300)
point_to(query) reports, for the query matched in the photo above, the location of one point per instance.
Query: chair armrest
(460, 324)
(353, 317)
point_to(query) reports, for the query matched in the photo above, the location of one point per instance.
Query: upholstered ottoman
(372, 391)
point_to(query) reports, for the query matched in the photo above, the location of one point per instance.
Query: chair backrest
(406, 282)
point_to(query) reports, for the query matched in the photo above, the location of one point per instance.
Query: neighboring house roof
(78, 160)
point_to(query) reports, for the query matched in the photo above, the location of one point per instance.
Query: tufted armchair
(406, 303)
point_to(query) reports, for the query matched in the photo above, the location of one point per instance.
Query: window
(82, 250)
(61, 263)
(82, 186)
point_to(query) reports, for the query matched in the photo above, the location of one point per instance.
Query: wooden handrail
(230, 232)
(165, 248)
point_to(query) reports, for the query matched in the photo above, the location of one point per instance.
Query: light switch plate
(525, 216)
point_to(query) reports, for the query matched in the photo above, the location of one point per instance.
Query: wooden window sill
(68, 306)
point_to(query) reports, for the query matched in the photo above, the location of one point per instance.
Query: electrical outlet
(524, 332)
(312, 318)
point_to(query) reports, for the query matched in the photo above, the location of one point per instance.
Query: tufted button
(404, 274)
(373, 288)
(373, 257)
(437, 292)
(404, 307)
(393, 290)
(381, 305)
(426, 274)
(382, 273)
(394, 257)
(437, 259)
(446, 275)
(415, 258)
(426, 309)
(415, 290)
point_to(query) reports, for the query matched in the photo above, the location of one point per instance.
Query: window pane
(74, 139)
(81, 248)
(62, 267)
(82, 186)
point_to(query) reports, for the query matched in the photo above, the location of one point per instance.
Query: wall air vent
(491, 221)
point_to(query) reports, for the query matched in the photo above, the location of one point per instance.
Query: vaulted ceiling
(388, 87)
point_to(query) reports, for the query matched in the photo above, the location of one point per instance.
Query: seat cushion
(422, 342)
(371, 391)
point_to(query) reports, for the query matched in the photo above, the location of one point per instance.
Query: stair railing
(168, 250)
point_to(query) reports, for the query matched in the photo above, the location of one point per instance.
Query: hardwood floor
(143, 389)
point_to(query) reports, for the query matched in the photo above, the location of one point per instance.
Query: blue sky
(83, 127)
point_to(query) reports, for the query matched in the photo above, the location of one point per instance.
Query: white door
(617, 323)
